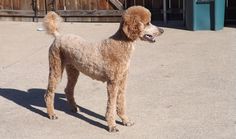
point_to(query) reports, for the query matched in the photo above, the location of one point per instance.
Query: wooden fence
(85, 10)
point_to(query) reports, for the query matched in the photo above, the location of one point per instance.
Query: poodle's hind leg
(72, 75)
(55, 73)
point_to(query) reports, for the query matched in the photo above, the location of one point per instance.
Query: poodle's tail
(51, 23)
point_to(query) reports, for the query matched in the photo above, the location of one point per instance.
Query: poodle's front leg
(112, 90)
(121, 103)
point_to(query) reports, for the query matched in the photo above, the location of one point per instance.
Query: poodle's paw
(74, 109)
(113, 129)
(53, 117)
(129, 123)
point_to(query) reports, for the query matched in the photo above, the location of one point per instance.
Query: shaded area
(181, 25)
(35, 97)
(171, 24)
(230, 25)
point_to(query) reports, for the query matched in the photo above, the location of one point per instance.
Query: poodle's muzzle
(151, 32)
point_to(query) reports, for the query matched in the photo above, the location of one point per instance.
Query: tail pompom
(51, 23)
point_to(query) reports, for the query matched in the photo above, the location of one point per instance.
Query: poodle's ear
(132, 26)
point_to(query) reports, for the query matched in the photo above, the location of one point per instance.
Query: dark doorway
(230, 12)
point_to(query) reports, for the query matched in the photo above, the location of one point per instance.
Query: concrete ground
(182, 87)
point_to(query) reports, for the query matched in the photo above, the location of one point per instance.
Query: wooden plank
(26, 5)
(85, 4)
(79, 2)
(93, 5)
(19, 13)
(41, 4)
(69, 4)
(117, 4)
(1, 4)
(102, 5)
(16, 12)
(6, 4)
(70, 13)
(59, 5)
(124, 3)
(50, 4)
(90, 13)
(75, 5)
(106, 19)
(93, 19)
(23, 19)
(16, 4)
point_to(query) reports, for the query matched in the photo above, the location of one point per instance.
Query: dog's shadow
(34, 97)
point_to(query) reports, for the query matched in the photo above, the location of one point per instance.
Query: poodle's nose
(161, 30)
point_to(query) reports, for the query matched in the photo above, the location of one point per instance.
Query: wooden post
(46, 7)
(125, 4)
(64, 5)
(169, 4)
(164, 11)
(184, 11)
(12, 7)
(55, 5)
(35, 9)
(117, 4)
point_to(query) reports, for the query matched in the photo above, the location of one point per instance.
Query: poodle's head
(136, 23)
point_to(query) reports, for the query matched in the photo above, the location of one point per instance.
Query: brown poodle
(107, 61)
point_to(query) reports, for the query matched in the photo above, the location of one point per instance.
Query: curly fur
(132, 19)
(51, 23)
(106, 61)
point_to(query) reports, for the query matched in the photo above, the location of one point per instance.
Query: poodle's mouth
(149, 38)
